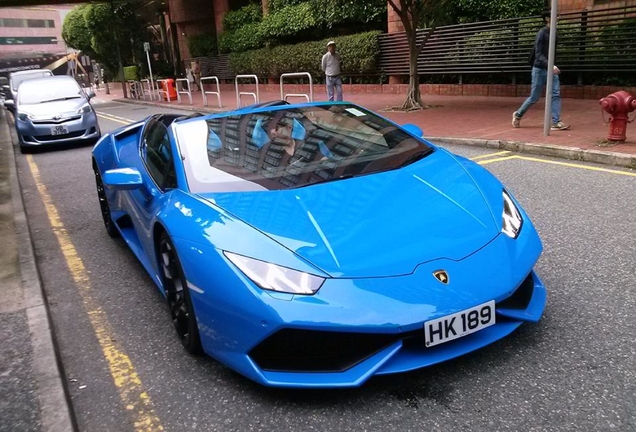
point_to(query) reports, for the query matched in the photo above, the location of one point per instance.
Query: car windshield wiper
(327, 180)
(62, 98)
(416, 157)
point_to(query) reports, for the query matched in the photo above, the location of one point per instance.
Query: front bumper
(356, 328)
(75, 128)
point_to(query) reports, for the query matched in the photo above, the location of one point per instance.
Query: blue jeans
(539, 79)
(336, 82)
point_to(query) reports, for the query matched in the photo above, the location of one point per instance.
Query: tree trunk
(413, 97)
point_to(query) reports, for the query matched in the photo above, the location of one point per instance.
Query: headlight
(271, 277)
(512, 221)
(84, 110)
(24, 116)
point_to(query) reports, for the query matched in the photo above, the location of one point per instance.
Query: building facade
(31, 32)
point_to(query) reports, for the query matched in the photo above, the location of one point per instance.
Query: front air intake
(293, 350)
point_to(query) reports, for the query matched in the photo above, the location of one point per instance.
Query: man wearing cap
(331, 68)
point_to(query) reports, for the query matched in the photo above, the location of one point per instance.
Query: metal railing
(186, 86)
(239, 94)
(146, 89)
(310, 97)
(217, 93)
(598, 40)
(595, 40)
(135, 89)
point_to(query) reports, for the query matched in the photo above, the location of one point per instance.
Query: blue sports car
(318, 245)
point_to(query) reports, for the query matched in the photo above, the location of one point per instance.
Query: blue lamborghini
(318, 245)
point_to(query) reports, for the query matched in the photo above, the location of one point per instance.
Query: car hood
(377, 225)
(50, 109)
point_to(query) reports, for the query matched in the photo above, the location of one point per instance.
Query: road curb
(55, 409)
(563, 152)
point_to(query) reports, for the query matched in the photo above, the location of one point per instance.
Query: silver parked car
(54, 110)
(16, 78)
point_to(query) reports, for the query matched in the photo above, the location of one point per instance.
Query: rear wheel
(178, 295)
(111, 229)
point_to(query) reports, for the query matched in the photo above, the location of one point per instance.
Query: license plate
(59, 130)
(459, 324)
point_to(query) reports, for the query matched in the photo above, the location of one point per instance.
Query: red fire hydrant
(618, 105)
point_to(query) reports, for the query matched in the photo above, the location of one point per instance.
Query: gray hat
(331, 43)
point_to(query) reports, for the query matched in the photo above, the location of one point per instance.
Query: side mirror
(90, 94)
(122, 179)
(413, 129)
(9, 104)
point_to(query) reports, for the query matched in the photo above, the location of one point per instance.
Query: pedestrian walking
(196, 73)
(331, 67)
(539, 62)
(189, 76)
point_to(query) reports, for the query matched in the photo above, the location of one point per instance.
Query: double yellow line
(114, 118)
(507, 155)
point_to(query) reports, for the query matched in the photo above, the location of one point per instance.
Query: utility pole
(547, 120)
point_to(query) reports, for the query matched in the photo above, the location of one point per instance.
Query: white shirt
(331, 64)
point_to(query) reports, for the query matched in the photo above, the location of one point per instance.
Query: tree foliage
(74, 30)
(92, 29)
(479, 10)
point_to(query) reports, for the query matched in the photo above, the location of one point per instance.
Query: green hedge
(290, 21)
(248, 37)
(359, 56)
(234, 20)
(276, 5)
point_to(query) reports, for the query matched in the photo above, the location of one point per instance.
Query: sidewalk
(473, 120)
(32, 384)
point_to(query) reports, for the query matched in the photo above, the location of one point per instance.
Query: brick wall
(492, 90)
(394, 21)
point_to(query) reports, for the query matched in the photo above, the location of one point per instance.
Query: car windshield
(291, 148)
(17, 79)
(42, 91)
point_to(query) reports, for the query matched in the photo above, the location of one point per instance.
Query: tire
(178, 294)
(111, 229)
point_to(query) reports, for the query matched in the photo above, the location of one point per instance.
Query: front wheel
(178, 295)
(111, 229)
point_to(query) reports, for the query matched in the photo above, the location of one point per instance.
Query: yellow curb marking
(125, 377)
(566, 164)
(490, 155)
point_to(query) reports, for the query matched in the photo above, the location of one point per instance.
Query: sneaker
(559, 126)
(516, 121)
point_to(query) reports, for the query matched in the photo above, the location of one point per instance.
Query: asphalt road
(575, 370)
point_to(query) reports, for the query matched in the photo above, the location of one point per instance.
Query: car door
(159, 180)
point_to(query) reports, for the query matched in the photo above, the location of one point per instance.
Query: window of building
(36, 23)
(50, 23)
(12, 22)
